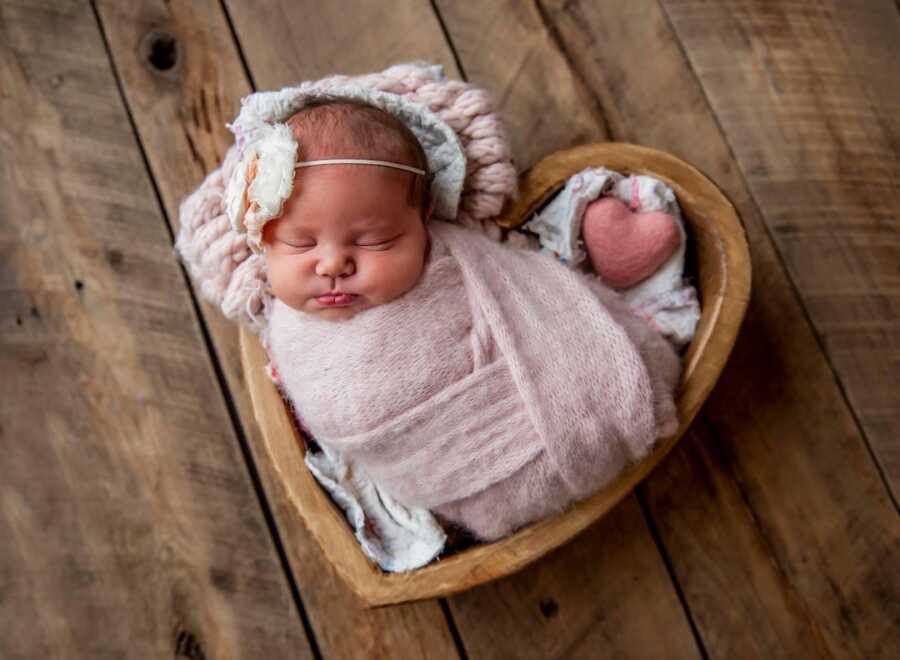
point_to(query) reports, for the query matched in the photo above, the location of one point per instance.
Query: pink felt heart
(626, 247)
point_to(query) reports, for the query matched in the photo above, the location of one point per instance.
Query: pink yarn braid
(218, 257)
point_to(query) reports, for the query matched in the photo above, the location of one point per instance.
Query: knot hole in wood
(159, 49)
(549, 608)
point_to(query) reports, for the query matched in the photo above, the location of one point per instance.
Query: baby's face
(348, 229)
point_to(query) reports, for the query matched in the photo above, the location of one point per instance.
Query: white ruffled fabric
(397, 537)
(250, 202)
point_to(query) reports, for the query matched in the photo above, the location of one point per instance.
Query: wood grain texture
(180, 113)
(807, 95)
(501, 42)
(783, 461)
(508, 49)
(582, 601)
(130, 525)
(288, 41)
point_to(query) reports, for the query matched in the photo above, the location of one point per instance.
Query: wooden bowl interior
(719, 258)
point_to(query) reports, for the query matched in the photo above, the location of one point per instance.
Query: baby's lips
(336, 299)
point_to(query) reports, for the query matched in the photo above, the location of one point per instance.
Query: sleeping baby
(484, 382)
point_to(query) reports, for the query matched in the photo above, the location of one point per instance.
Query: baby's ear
(268, 232)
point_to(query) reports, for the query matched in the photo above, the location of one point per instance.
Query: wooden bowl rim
(724, 308)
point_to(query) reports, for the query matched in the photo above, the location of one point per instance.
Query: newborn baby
(486, 383)
(372, 322)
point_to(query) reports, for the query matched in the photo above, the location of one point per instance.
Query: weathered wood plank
(609, 587)
(288, 41)
(501, 44)
(807, 95)
(605, 594)
(130, 525)
(773, 513)
(180, 114)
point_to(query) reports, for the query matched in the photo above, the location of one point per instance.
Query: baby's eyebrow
(374, 225)
(367, 226)
(377, 228)
(372, 220)
(293, 229)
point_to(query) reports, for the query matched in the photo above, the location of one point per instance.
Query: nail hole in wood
(223, 580)
(114, 257)
(79, 285)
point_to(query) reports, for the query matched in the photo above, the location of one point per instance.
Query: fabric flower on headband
(261, 182)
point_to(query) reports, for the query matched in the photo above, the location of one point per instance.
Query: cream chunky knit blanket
(502, 387)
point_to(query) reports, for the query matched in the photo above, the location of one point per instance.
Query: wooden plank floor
(139, 516)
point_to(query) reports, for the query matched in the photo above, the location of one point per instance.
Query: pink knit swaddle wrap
(499, 389)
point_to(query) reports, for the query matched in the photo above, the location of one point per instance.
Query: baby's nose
(335, 264)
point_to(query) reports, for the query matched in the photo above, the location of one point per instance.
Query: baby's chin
(336, 314)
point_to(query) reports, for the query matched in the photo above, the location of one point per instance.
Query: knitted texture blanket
(499, 389)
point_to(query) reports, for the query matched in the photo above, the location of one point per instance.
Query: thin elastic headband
(354, 161)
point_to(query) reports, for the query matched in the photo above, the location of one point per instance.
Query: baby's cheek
(402, 272)
(286, 280)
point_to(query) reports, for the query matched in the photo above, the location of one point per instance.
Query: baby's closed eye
(368, 243)
(377, 243)
(298, 244)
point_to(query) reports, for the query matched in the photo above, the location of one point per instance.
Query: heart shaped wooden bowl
(721, 263)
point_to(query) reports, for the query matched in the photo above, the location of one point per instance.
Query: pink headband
(357, 161)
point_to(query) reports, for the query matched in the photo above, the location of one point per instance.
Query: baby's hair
(340, 128)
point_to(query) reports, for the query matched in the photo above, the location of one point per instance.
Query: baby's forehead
(349, 130)
(347, 223)
(358, 188)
